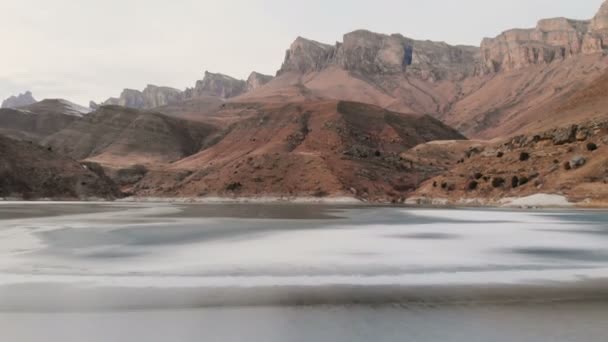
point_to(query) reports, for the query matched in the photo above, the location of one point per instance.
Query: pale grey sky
(85, 50)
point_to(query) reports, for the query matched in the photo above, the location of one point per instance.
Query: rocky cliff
(151, 97)
(219, 85)
(551, 40)
(20, 100)
(371, 53)
(256, 80)
(212, 85)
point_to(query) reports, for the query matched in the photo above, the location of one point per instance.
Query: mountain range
(378, 117)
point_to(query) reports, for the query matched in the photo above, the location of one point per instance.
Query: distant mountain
(36, 121)
(152, 96)
(362, 118)
(213, 85)
(57, 106)
(19, 100)
(488, 91)
(119, 136)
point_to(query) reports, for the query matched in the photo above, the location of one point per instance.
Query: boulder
(498, 182)
(591, 146)
(565, 135)
(577, 162)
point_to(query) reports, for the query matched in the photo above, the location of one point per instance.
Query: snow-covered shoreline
(536, 201)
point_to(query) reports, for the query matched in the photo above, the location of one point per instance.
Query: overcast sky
(90, 49)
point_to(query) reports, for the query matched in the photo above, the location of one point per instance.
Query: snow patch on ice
(537, 200)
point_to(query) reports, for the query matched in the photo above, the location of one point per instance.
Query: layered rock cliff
(20, 100)
(551, 40)
(213, 84)
(151, 97)
(371, 53)
(220, 85)
(257, 80)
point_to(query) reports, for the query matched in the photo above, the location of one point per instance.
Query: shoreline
(536, 201)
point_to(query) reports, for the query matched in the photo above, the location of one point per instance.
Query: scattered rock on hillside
(566, 135)
(577, 162)
(591, 146)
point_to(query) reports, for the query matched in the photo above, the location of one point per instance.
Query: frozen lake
(79, 270)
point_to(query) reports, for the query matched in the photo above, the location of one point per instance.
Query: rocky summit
(219, 85)
(151, 97)
(20, 100)
(372, 53)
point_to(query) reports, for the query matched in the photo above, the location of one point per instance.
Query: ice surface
(150, 245)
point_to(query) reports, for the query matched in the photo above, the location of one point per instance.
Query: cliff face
(20, 100)
(212, 85)
(551, 40)
(257, 80)
(219, 85)
(151, 97)
(371, 53)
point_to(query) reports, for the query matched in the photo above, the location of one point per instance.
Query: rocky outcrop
(551, 40)
(557, 161)
(161, 96)
(151, 97)
(213, 85)
(219, 85)
(306, 55)
(20, 100)
(599, 23)
(371, 53)
(256, 80)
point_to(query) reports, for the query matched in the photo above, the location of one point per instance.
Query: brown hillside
(570, 161)
(30, 171)
(305, 149)
(118, 136)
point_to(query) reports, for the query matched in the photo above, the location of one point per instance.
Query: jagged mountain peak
(20, 100)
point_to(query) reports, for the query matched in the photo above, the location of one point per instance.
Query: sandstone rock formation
(219, 85)
(151, 97)
(256, 80)
(551, 40)
(599, 23)
(19, 100)
(371, 53)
